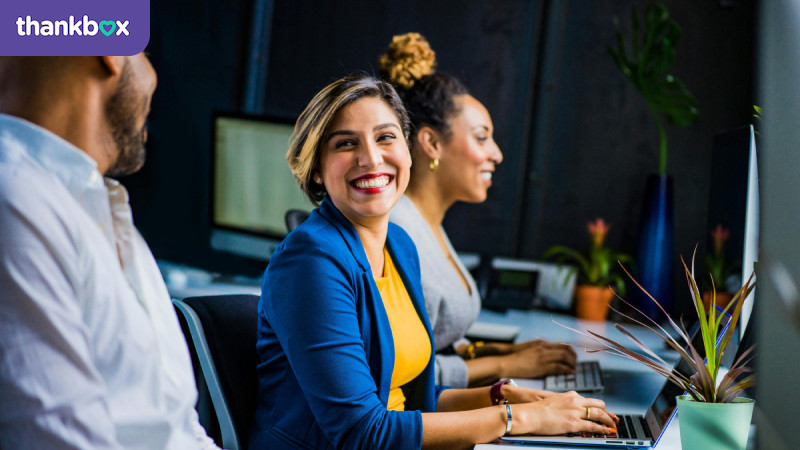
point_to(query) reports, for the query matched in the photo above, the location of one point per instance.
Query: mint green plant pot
(714, 426)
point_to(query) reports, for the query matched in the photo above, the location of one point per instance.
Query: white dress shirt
(91, 352)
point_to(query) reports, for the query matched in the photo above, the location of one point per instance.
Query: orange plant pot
(591, 302)
(723, 298)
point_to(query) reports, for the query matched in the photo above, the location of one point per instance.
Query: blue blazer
(325, 345)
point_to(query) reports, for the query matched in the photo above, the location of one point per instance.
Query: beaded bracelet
(471, 349)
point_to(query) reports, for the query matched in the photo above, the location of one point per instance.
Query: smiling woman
(344, 342)
(365, 161)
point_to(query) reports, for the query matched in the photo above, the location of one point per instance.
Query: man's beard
(123, 110)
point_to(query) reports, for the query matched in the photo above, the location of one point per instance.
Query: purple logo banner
(74, 27)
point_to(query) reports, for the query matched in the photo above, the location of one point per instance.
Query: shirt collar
(67, 162)
(329, 211)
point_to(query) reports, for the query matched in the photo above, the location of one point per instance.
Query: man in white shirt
(91, 352)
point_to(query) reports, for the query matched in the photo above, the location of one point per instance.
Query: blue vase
(654, 250)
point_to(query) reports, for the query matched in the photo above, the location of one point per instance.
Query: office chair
(223, 332)
(295, 217)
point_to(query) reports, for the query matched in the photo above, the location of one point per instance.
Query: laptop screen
(661, 410)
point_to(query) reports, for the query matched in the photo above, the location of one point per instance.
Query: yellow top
(412, 345)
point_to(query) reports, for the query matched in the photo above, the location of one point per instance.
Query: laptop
(587, 378)
(634, 431)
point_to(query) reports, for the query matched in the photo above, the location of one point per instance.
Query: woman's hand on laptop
(536, 359)
(563, 413)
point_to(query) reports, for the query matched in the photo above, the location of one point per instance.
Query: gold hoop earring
(434, 164)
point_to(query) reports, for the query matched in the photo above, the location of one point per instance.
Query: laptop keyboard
(626, 429)
(587, 377)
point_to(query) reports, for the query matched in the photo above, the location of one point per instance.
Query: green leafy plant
(653, 39)
(704, 385)
(594, 267)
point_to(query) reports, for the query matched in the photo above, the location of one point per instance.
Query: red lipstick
(372, 183)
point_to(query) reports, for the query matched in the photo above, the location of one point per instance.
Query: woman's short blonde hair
(312, 127)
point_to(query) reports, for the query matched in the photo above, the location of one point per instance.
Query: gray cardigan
(451, 309)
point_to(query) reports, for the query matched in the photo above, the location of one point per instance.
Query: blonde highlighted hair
(312, 127)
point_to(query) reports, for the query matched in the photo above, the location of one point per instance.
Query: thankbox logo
(74, 27)
(83, 27)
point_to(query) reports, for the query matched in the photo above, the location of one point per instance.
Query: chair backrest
(223, 333)
(294, 217)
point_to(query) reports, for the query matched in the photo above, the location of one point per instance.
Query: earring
(317, 179)
(434, 164)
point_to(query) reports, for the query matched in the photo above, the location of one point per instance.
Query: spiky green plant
(653, 39)
(703, 385)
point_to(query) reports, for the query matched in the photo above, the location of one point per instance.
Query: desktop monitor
(733, 204)
(251, 184)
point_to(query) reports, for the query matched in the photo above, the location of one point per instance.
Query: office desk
(630, 386)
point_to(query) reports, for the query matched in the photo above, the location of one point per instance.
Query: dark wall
(492, 49)
(595, 141)
(577, 139)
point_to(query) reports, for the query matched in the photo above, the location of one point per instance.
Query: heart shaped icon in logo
(111, 27)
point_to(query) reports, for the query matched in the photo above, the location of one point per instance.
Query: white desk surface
(184, 281)
(629, 386)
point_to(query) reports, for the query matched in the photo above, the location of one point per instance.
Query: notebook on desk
(633, 431)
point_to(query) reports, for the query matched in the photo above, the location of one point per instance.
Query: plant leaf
(569, 254)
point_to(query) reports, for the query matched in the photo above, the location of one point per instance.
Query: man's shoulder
(21, 174)
(32, 202)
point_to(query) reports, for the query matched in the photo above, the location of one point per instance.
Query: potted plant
(593, 294)
(711, 413)
(652, 43)
(719, 268)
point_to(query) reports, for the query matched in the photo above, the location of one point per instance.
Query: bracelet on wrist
(470, 353)
(496, 391)
(508, 420)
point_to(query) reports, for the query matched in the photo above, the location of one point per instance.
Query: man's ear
(113, 64)
(430, 142)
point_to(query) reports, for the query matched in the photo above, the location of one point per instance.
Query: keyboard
(628, 427)
(587, 378)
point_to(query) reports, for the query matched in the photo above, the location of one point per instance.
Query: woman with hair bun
(454, 157)
(344, 343)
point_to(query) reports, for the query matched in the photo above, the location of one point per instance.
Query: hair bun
(408, 59)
